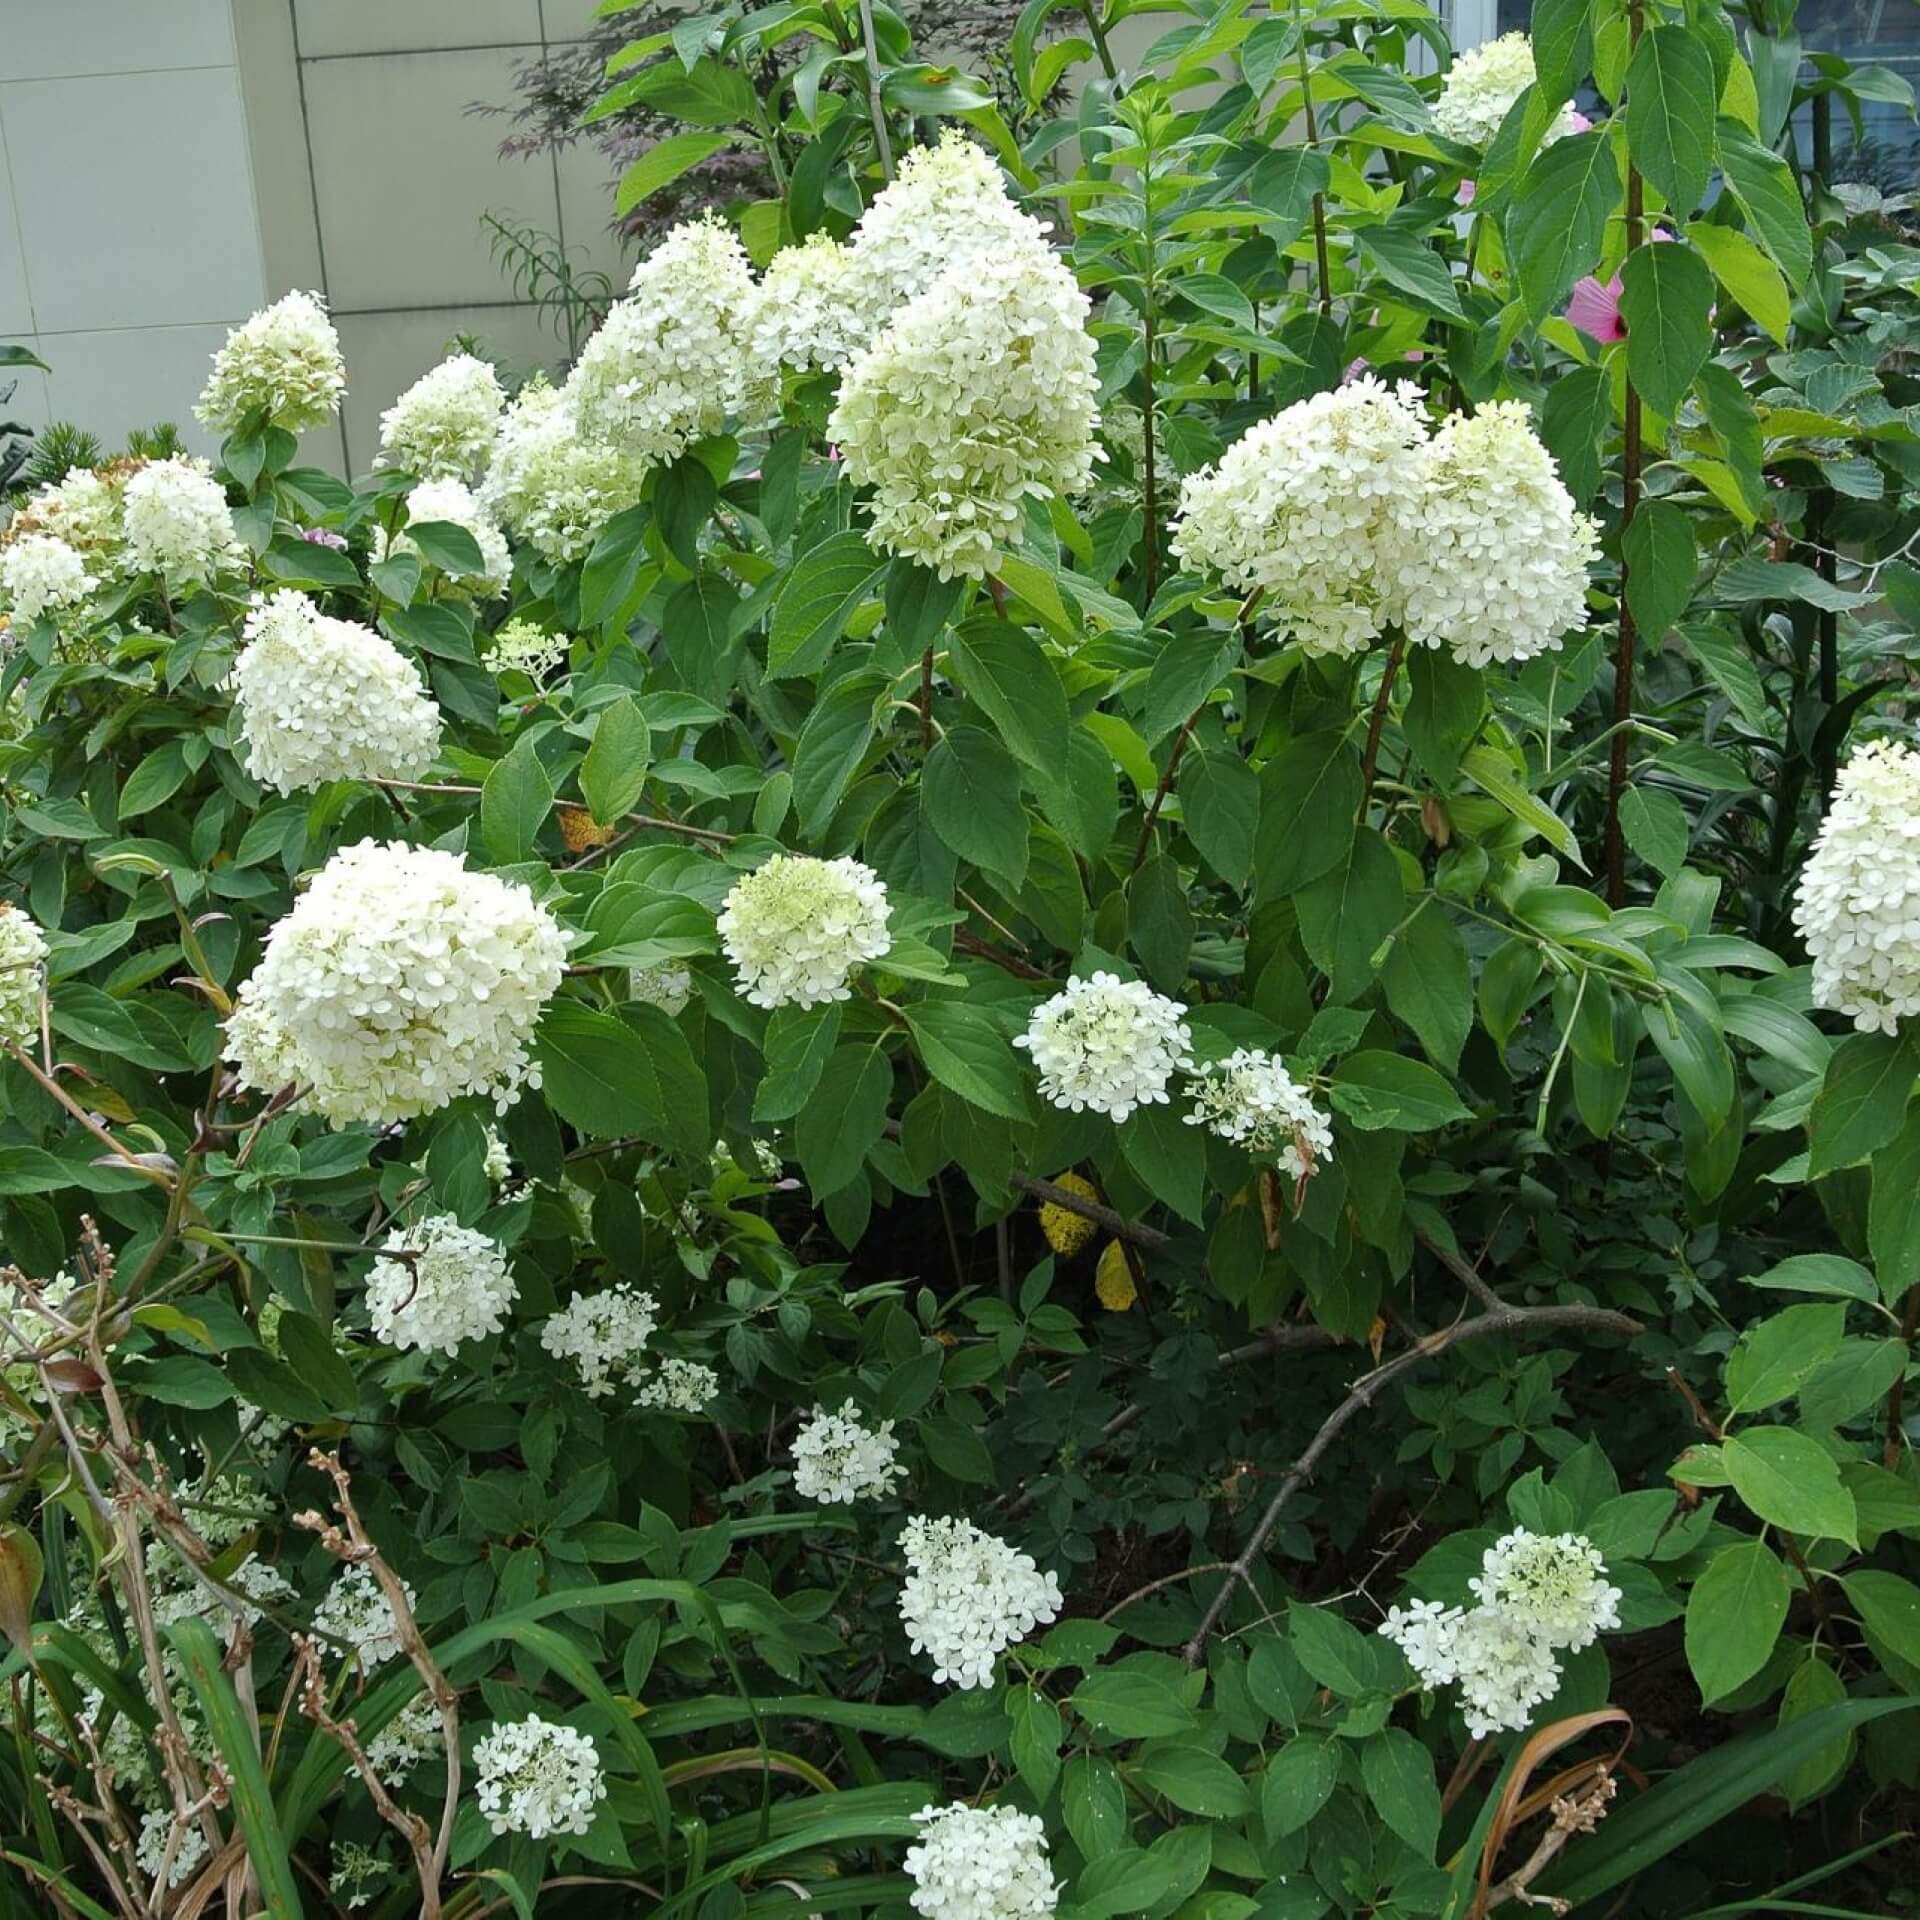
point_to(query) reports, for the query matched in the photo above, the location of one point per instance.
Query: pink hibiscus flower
(1595, 305)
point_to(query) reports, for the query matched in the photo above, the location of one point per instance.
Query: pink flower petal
(1467, 190)
(1595, 310)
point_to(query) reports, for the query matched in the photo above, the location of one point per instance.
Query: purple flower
(324, 537)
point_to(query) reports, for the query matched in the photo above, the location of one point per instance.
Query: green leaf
(1661, 557)
(1160, 922)
(833, 742)
(1830, 1273)
(1429, 984)
(1309, 794)
(1775, 1356)
(1220, 809)
(1285, 182)
(1813, 1685)
(800, 1040)
(1195, 1780)
(1169, 1156)
(1404, 260)
(1745, 273)
(447, 546)
(963, 1049)
(1397, 1772)
(1893, 1216)
(1889, 1609)
(1300, 1781)
(1131, 1705)
(308, 1351)
(1445, 705)
(1558, 221)
(662, 164)
(1035, 1741)
(615, 768)
(514, 801)
(1790, 1481)
(1562, 36)
(1654, 825)
(919, 604)
(155, 780)
(1768, 194)
(1574, 419)
(971, 789)
(597, 1074)
(1348, 912)
(1666, 302)
(1377, 1090)
(845, 1118)
(1333, 1651)
(819, 597)
(1671, 98)
(1734, 1616)
(1185, 672)
(1492, 771)
(1007, 674)
(1862, 1101)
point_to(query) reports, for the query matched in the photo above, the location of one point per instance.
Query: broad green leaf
(1008, 675)
(1734, 1616)
(1220, 809)
(1336, 1653)
(1445, 705)
(827, 583)
(1666, 301)
(1035, 1741)
(1492, 771)
(963, 1049)
(1558, 221)
(1661, 558)
(1790, 1481)
(1429, 984)
(1889, 1609)
(1654, 825)
(1562, 37)
(1745, 273)
(1769, 195)
(1349, 911)
(971, 789)
(1775, 1356)
(1300, 1780)
(1813, 1685)
(1893, 1215)
(1862, 1102)
(846, 1116)
(1185, 671)
(1309, 794)
(615, 768)
(1195, 1780)
(1398, 1773)
(1671, 98)
(834, 739)
(662, 164)
(1169, 1156)
(1130, 1704)
(1410, 266)
(597, 1075)
(1378, 1090)
(514, 801)
(1830, 1273)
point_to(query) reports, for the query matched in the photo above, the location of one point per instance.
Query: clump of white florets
(174, 522)
(946, 209)
(797, 928)
(444, 423)
(281, 368)
(550, 485)
(1107, 1044)
(804, 315)
(453, 503)
(669, 364)
(160, 1829)
(1858, 902)
(679, 1386)
(1302, 508)
(537, 1777)
(521, 647)
(23, 957)
(1493, 555)
(1538, 1595)
(496, 1162)
(668, 986)
(356, 1611)
(19, 1308)
(399, 981)
(1481, 87)
(837, 1460)
(968, 1596)
(40, 573)
(413, 1735)
(604, 1334)
(1252, 1100)
(453, 1285)
(82, 508)
(978, 396)
(320, 699)
(980, 1863)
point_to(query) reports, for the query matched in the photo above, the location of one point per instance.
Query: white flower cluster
(1348, 519)
(23, 955)
(968, 1596)
(150, 1851)
(179, 1593)
(1494, 556)
(837, 1461)
(412, 1736)
(496, 1162)
(281, 368)
(1481, 87)
(1303, 507)
(521, 647)
(669, 364)
(320, 699)
(40, 574)
(398, 982)
(806, 313)
(679, 1386)
(1252, 1100)
(978, 395)
(981, 1863)
(175, 522)
(19, 1372)
(454, 1286)
(667, 986)
(604, 1334)
(1107, 1044)
(1858, 902)
(356, 1611)
(1538, 1594)
(453, 503)
(443, 424)
(82, 508)
(537, 1777)
(552, 486)
(796, 928)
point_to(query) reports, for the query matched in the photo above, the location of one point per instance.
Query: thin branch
(874, 107)
(1382, 704)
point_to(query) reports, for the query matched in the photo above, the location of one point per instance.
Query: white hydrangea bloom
(1252, 1100)
(175, 523)
(456, 1287)
(189, 1850)
(413, 1735)
(946, 208)
(679, 1386)
(357, 1873)
(453, 503)
(1107, 1044)
(981, 1863)
(497, 1163)
(283, 366)
(40, 573)
(669, 364)
(180, 1594)
(604, 1334)
(320, 699)
(1481, 87)
(356, 1610)
(224, 1508)
(1555, 1582)
(1303, 507)
(968, 1596)
(552, 486)
(443, 425)
(82, 508)
(1492, 556)
(1427, 1633)
(398, 982)
(979, 394)
(837, 1460)
(1858, 902)
(805, 312)
(668, 986)
(521, 647)
(797, 928)
(1503, 1670)
(537, 1777)
(23, 956)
